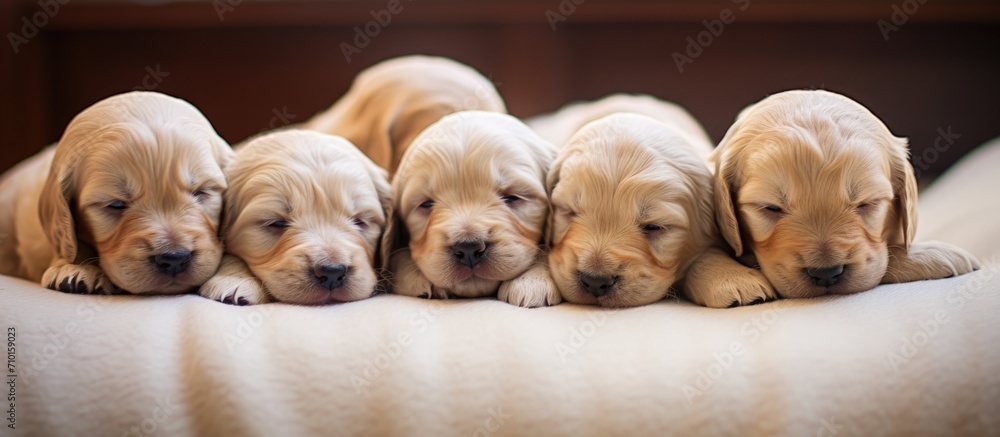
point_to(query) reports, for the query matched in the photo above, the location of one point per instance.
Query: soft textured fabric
(908, 359)
(920, 358)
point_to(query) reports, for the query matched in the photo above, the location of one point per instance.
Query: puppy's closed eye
(470, 210)
(631, 212)
(851, 195)
(286, 246)
(148, 228)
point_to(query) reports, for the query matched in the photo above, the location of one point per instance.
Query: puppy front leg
(716, 280)
(408, 280)
(928, 260)
(78, 279)
(534, 288)
(235, 284)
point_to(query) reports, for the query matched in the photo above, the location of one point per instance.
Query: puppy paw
(78, 279)
(410, 281)
(235, 289)
(534, 288)
(716, 280)
(415, 284)
(929, 260)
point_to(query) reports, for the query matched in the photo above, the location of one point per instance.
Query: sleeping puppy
(819, 190)
(128, 200)
(559, 126)
(391, 102)
(632, 216)
(303, 216)
(469, 208)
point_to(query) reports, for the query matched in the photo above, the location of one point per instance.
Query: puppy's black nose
(469, 253)
(331, 276)
(597, 285)
(173, 263)
(825, 276)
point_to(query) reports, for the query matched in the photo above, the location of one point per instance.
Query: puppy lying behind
(819, 190)
(391, 102)
(128, 200)
(303, 216)
(559, 126)
(469, 207)
(632, 215)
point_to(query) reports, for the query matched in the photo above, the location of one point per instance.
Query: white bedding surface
(921, 358)
(909, 359)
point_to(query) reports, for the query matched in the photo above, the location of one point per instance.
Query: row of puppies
(632, 204)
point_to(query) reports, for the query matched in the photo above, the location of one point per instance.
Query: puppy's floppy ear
(551, 180)
(222, 151)
(54, 210)
(380, 179)
(904, 186)
(545, 154)
(725, 210)
(395, 236)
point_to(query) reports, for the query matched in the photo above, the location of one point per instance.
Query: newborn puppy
(632, 215)
(129, 200)
(469, 209)
(559, 126)
(391, 102)
(303, 216)
(819, 190)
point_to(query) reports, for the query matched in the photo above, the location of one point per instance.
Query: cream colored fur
(840, 192)
(391, 102)
(632, 203)
(472, 176)
(134, 176)
(300, 201)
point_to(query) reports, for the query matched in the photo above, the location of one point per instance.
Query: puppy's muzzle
(470, 253)
(825, 276)
(331, 276)
(597, 285)
(172, 263)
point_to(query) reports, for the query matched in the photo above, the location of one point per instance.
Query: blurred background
(929, 68)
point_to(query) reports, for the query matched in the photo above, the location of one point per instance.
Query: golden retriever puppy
(468, 213)
(128, 200)
(815, 186)
(302, 221)
(632, 216)
(391, 102)
(559, 126)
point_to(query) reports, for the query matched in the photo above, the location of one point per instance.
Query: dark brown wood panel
(278, 62)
